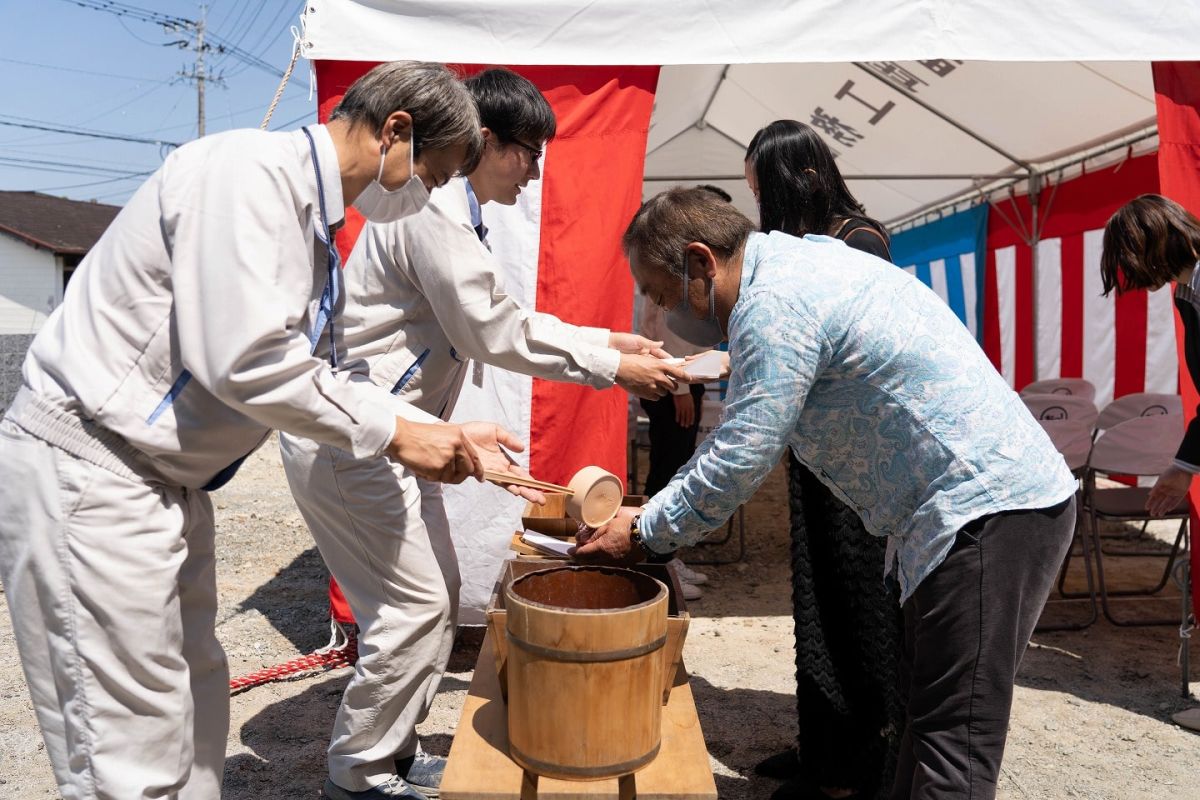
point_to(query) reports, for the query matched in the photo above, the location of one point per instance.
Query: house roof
(54, 223)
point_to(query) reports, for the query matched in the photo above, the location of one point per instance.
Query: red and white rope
(342, 651)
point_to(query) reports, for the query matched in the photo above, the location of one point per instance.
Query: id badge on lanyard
(329, 297)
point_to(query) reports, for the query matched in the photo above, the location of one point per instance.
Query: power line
(64, 166)
(110, 194)
(256, 107)
(133, 12)
(122, 163)
(116, 137)
(289, 123)
(94, 183)
(39, 141)
(174, 24)
(249, 25)
(273, 25)
(228, 26)
(82, 71)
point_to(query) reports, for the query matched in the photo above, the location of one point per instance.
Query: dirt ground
(1091, 717)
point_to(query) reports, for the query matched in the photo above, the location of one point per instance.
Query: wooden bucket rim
(510, 596)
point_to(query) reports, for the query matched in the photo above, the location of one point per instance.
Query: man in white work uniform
(188, 333)
(423, 298)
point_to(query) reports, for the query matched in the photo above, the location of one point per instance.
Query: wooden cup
(595, 496)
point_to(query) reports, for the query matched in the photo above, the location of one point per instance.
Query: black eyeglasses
(534, 152)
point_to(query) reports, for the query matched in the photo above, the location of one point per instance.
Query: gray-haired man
(200, 321)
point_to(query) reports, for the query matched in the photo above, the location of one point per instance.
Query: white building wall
(30, 286)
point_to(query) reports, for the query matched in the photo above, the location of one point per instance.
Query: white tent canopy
(749, 31)
(908, 134)
(925, 101)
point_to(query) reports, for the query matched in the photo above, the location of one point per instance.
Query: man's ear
(701, 261)
(398, 126)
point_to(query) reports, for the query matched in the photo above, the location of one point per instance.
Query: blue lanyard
(329, 297)
(476, 212)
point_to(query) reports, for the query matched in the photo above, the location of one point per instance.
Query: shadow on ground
(287, 742)
(292, 604)
(1094, 663)
(742, 727)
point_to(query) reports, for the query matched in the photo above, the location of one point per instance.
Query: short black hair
(511, 107)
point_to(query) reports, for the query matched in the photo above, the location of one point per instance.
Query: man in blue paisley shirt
(882, 392)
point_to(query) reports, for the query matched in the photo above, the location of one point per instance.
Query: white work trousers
(111, 584)
(384, 536)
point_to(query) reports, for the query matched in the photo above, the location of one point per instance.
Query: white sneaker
(691, 591)
(687, 574)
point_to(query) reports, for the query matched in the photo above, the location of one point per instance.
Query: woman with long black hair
(848, 623)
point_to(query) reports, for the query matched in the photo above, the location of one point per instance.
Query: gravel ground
(1091, 717)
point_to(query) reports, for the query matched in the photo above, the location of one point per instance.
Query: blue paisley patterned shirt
(879, 389)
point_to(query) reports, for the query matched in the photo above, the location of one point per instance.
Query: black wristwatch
(635, 538)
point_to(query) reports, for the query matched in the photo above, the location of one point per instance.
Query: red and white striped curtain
(1177, 89)
(1055, 322)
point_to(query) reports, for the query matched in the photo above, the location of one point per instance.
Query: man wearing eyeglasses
(423, 298)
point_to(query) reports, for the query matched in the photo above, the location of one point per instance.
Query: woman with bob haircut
(1150, 242)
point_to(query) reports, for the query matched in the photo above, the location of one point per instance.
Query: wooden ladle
(593, 494)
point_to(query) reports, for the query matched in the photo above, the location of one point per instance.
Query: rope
(286, 76)
(342, 651)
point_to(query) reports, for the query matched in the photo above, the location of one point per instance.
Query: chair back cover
(1138, 446)
(1071, 438)
(1139, 404)
(1077, 387)
(1062, 406)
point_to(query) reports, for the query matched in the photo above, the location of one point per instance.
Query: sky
(64, 65)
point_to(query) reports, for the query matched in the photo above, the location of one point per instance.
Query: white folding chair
(1144, 445)
(1072, 438)
(1071, 386)
(1139, 404)
(1054, 407)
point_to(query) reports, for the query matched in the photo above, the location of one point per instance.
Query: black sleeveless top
(862, 235)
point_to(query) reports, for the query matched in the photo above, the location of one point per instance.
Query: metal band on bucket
(592, 657)
(594, 773)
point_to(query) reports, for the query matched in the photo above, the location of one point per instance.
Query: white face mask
(378, 204)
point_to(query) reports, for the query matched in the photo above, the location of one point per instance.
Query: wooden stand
(479, 767)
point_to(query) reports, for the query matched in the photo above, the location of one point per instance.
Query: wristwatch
(635, 538)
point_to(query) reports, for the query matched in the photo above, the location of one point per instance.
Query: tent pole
(954, 177)
(941, 205)
(1035, 235)
(700, 124)
(712, 98)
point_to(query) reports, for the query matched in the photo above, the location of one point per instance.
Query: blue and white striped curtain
(948, 256)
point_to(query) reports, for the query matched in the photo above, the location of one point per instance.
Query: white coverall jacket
(422, 298)
(225, 285)
(426, 298)
(214, 269)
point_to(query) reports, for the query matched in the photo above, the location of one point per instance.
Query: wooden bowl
(596, 496)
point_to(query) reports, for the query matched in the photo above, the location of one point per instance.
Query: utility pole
(200, 72)
(197, 73)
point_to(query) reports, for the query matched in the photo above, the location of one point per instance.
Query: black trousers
(966, 630)
(670, 444)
